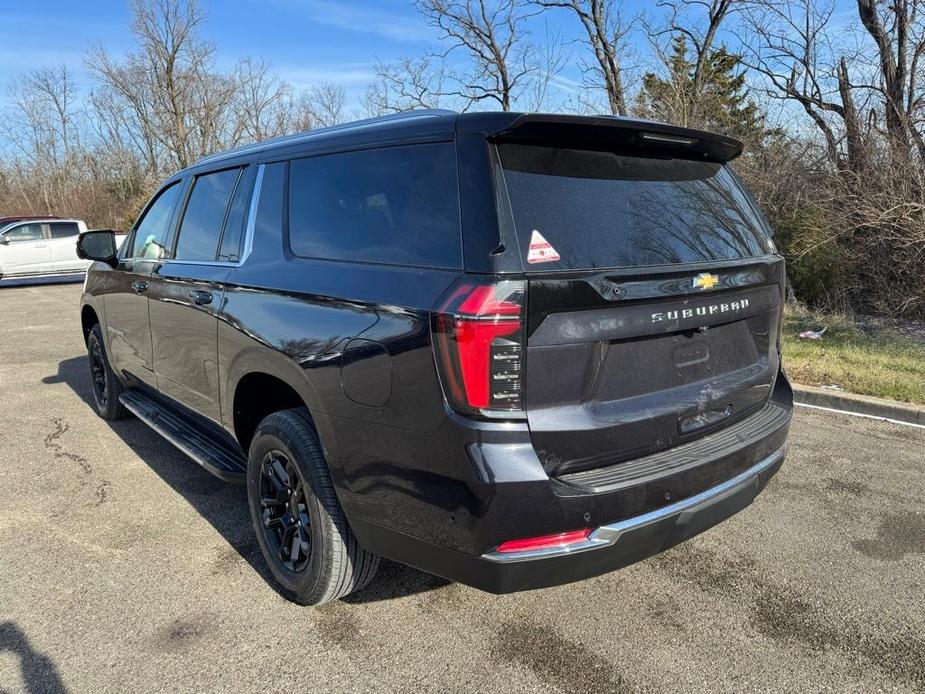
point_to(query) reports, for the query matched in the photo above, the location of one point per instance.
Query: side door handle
(201, 298)
(139, 287)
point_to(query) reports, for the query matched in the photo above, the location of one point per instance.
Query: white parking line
(859, 414)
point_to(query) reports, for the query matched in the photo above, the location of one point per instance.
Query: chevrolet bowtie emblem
(705, 281)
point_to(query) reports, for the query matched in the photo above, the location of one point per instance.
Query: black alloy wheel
(286, 523)
(301, 528)
(105, 385)
(98, 373)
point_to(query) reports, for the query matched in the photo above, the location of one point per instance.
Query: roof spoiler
(607, 132)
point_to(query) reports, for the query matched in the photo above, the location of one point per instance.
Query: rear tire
(300, 525)
(104, 383)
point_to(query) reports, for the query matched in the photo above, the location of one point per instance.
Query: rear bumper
(608, 548)
(448, 515)
(670, 524)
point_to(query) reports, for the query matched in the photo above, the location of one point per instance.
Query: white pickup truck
(41, 247)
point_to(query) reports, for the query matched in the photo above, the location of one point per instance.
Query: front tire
(300, 525)
(105, 385)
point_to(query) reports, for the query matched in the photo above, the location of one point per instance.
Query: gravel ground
(125, 567)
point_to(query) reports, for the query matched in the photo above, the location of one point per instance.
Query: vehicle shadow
(39, 673)
(224, 505)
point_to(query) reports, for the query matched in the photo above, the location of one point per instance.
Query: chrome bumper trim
(607, 535)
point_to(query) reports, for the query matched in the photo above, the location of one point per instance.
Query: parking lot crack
(53, 444)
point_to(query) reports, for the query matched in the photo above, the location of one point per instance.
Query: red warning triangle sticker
(541, 251)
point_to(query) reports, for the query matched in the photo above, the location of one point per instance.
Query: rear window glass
(230, 248)
(581, 209)
(205, 215)
(63, 230)
(395, 205)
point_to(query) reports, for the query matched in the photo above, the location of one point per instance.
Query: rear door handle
(201, 298)
(139, 287)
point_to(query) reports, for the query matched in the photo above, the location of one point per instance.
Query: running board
(211, 450)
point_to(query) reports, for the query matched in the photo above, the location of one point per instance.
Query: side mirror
(4, 241)
(97, 245)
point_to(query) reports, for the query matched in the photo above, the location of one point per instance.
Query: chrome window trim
(252, 215)
(248, 232)
(607, 535)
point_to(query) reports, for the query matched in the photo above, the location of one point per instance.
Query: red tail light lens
(544, 542)
(478, 341)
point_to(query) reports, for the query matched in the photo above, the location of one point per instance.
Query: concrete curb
(859, 404)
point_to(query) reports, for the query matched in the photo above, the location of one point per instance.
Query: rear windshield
(580, 209)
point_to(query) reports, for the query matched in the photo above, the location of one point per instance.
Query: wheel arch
(88, 318)
(258, 394)
(265, 372)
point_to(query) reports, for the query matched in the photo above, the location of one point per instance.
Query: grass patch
(861, 357)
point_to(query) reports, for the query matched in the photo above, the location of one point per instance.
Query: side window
(63, 230)
(269, 218)
(396, 205)
(24, 232)
(230, 247)
(204, 217)
(152, 230)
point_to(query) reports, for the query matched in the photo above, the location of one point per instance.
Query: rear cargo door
(653, 301)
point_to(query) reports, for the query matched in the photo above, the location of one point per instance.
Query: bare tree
(325, 103)
(492, 33)
(56, 166)
(43, 119)
(264, 106)
(43, 125)
(798, 52)
(407, 84)
(898, 31)
(794, 49)
(167, 90)
(606, 30)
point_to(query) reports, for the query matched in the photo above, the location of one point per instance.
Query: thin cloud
(567, 85)
(366, 20)
(346, 75)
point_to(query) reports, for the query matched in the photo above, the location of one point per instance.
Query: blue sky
(306, 41)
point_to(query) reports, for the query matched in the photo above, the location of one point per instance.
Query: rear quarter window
(606, 210)
(395, 205)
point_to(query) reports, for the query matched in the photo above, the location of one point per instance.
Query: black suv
(514, 350)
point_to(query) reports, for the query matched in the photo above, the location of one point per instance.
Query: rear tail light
(478, 342)
(544, 542)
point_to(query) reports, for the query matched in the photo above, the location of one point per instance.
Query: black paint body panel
(419, 483)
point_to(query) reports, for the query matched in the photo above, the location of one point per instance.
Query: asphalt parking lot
(125, 567)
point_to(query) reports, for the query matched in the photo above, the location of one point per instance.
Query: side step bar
(211, 450)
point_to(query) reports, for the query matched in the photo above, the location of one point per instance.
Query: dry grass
(860, 356)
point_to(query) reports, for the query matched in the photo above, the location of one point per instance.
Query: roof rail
(343, 127)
